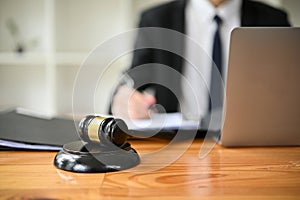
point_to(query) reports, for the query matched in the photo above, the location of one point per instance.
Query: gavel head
(103, 130)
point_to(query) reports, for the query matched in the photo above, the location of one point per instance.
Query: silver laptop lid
(262, 105)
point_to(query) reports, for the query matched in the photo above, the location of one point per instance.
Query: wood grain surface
(226, 173)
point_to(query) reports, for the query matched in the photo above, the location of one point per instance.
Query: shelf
(32, 58)
(10, 58)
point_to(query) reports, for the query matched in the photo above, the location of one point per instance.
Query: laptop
(262, 104)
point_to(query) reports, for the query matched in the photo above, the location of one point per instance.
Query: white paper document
(20, 145)
(165, 121)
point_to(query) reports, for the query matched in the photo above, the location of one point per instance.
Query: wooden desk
(237, 173)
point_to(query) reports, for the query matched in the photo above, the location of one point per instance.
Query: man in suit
(197, 19)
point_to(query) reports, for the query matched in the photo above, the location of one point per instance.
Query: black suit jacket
(172, 16)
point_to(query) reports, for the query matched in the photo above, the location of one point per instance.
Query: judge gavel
(103, 148)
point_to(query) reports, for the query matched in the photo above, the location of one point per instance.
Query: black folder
(19, 131)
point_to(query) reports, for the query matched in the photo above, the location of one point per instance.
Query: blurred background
(44, 42)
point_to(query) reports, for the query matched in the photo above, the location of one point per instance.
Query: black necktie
(216, 88)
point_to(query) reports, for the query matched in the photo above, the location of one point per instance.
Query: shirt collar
(205, 11)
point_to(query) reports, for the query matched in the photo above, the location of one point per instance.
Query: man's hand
(132, 104)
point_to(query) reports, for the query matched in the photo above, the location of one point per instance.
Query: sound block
(88, 158)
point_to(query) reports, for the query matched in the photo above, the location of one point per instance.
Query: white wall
(293, 8)
(79, 26)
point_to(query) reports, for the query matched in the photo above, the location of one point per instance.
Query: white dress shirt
(201, 27)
